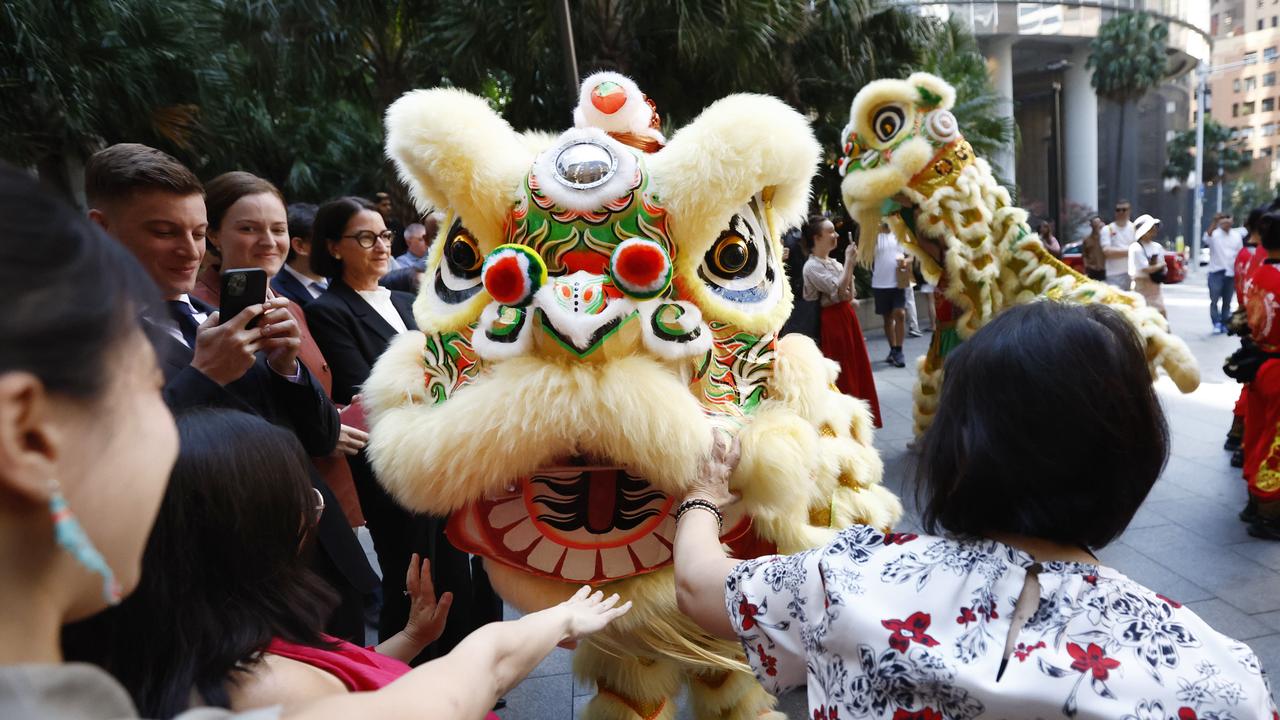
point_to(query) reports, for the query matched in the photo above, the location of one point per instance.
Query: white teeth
(579, 565)
(509, 512)
(616, 562)
(521, 536)
(650, 551)
(545, 556)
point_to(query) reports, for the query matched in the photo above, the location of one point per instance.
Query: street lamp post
(1197, 211)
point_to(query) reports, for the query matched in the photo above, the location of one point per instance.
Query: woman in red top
(1262, 414)
(1247, 260)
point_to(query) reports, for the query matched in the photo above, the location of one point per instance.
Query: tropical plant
(1128, 59)
(1223, 154)
(1249, 193)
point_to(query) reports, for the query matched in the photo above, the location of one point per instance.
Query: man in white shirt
(1224, 244)
(1117, 236)
(890, 299)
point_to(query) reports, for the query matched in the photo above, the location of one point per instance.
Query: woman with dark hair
(354, 321)
(229, 615)
(1002, 610)
(830, 284)
(1262, 410)
(86, 445)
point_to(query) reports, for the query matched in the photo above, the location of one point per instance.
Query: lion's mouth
(579, 520)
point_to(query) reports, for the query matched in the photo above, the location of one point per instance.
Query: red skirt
(842, 341)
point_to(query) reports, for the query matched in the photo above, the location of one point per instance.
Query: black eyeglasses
(367, 238)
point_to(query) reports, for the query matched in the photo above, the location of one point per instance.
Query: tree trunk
(1118, 161)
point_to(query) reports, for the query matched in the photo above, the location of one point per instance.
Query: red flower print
(966, 616)
(748, 613)
(1091, 579)
(1024, 651)
(820, 714)
(905, 632)
(770, 662)
(1171, 602)
(899, 538)
(1186, 713)
(926, 713)
(1091, 659)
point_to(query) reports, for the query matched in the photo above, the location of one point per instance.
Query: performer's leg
(724, 695)
(627, 688)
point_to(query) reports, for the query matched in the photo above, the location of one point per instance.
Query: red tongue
(602, 496)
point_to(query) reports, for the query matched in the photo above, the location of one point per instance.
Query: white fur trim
(577, 328)
(593, 199)
(632, 117)
(491, 350)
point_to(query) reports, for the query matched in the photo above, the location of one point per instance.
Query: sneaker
(889, 358)
(914, 333)
(1237, 458)
(898, 359)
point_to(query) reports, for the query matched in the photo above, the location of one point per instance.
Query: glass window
(1247, 108)
(1235, 84)
(1260, 25)
(1265, 152)
(1251, 57)
(1269, 79)
(1268, 105)
(1235, 109)
(1273, 21)
(1250, 83)
(1269, 54)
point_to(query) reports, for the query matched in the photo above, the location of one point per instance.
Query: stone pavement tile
(542, 698)
(1267, 648)
(1169, 490)
(1266, 552)
(1207, 519)
(795, 704)
(1146, 517)
(1200, 561)
(1259, 595)
(1229, 621)
(1142, 569)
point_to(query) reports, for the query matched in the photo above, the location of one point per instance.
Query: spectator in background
(354, 322)
(156, 207)
(296, 280)
(388, 212)
(804, 318)
(418, 238)
(1247, 261)
(1095, 261)
(913, 320)
(249, 227)
(887, 289)
(1116, 237)
(1146, 262)
(1045, 231)
(830, 284)
(1224, 244)
(1262, 411)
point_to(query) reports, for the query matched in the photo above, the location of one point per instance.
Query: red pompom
(640, 266)
(506, 281)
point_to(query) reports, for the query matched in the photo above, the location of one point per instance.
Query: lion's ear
(740, 146)
(454, 151)
(935, 93)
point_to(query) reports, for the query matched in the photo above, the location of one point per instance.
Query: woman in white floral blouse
(1001, 611)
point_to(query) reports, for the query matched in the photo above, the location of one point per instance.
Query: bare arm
(426, 616)
(701, 564)
(465, 684)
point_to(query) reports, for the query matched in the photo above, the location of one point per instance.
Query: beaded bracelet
(707, 505)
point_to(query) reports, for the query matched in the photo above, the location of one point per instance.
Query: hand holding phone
(242, 288)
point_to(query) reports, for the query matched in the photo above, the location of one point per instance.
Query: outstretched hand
(426, 614)
(587, 612)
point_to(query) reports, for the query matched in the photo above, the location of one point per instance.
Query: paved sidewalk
(1185, 542)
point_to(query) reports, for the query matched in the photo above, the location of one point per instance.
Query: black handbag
(1156, 277)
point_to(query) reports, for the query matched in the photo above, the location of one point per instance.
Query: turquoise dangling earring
(68, 533)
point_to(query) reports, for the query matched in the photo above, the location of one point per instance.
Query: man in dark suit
(155, 207)
(296, 280)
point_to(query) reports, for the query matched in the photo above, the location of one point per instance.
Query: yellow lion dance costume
(595, 304)
(905, 161)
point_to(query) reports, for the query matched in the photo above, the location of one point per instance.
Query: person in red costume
(1247, 260)
(1262, 412)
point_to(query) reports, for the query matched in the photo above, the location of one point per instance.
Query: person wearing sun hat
(1146, 262)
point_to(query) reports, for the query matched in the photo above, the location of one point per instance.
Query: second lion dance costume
(599, 301)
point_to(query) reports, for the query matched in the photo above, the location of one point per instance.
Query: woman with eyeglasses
(353, 322)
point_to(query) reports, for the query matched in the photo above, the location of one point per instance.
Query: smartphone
(242, 288)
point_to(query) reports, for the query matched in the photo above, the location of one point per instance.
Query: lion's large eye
(730, 255)
(458, 277)
(887, 122)
(739, 266)
(463, 254)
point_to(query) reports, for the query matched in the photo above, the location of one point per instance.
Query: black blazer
(301, 407)
(288, 286)
(352, 335)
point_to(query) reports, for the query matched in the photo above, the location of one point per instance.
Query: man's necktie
(185, 317)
